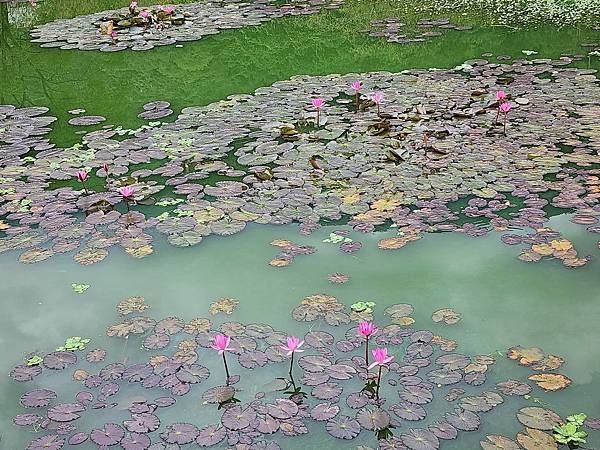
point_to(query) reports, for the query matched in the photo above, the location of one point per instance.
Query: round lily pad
(343, 427)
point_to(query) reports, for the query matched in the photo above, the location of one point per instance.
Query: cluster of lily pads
(560, 13)
(420, 151)
(413, 366)
(391, 28)
(139, 28)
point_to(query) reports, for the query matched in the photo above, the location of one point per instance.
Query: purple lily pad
(282, 409)
(252, 359)
(408, 411)
(357, 400)
(180, 433)
(164, 402)
(444, 377)
(142, 423)
(463, 420)
(156, 341)
(78, 438)
(324, 411)
(193, 373)
(327, 391)
(420, 439)
(112, 372)
(25, 373)
(59, 360)
(26, 420)
(65, 412)
(48, 442)
(135, 441)
(236, 418)
(373, 419)
(513, 387)
(343, 427)
(350, 247)
(443, 430)
(211, 435)
(111, 434)
(37, 398)
(416, 394)
(96, 355)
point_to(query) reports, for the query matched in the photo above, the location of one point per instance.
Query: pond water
(503, 302)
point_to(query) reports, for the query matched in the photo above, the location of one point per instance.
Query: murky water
(503, 303)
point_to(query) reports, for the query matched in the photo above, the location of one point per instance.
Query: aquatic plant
(377, 98)
(80, 288)
(569, 433)
(381, 359)
(221, 345)
(133, 7)
(505, 108)
(318, 104)
(366, 307)
(127, 194)
(35, 360)
(74, 343)
(82, 176)
(367, 329)
(138, 28)
(500, 98)
(292, 347)
(356, 87)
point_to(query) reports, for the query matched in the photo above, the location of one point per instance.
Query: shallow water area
(502, 303)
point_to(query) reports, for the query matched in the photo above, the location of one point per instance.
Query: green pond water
(503, 301)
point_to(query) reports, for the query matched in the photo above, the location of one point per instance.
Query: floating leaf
(538, 418)
(343, 427)
(447, 315)
(551, 381)
(37, 398)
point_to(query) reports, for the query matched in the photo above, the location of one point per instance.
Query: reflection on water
(117, 85)
(503, 302)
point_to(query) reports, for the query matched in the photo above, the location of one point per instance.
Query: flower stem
(378, 382)
(85, 188)
(357, 101)
(291, 366)
(367, 350)
(318, 118)
(497, 114)
(505, 117)
(378, 111)
(226, 368)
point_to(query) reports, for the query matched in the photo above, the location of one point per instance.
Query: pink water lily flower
(113, 35)
(168, 9)
(221, 344)
(377, 97)
(381, 357)
(127, 192)
(318, 103)
(82, 175)
(293, 345)
(505, 107)
(367, 328)
(133, 4)
(145, 14)
(500, 95)
(356, 86)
